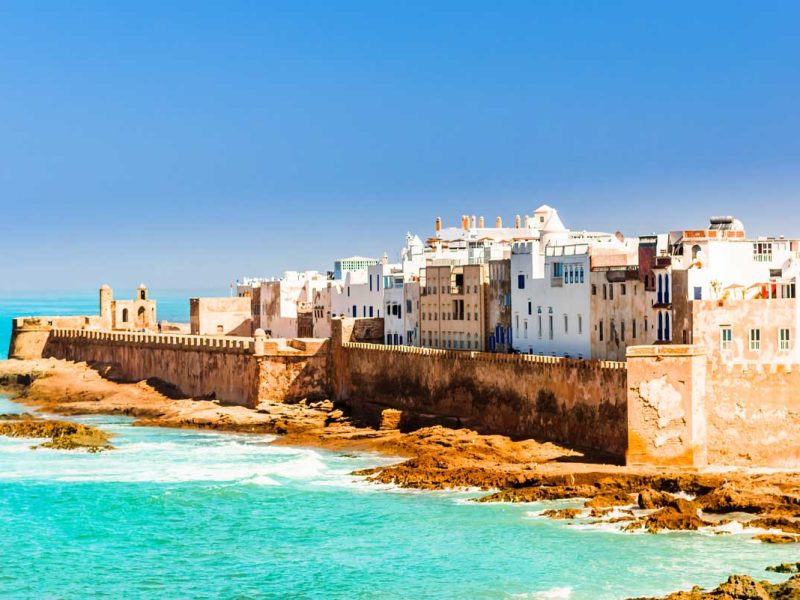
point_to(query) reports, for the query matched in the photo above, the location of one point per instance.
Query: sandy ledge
(437, 458)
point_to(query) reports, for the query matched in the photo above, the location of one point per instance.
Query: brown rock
(563, 513)
(680, 514)
(783, 523)
(777, 538)
(605, 500)
(650, 498)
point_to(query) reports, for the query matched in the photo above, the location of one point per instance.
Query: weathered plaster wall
(753, 415)
(666, 406)
(581, 403)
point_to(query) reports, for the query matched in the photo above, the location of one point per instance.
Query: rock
(739, 497)
(391, 418)
(783, 523)
(563, 513)
(650, 499)
(64, 435)
(785, 568)
(743, 587)
(605, 500)
(679, 515)
(777, 538)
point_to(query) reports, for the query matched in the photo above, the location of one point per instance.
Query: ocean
(189, 514)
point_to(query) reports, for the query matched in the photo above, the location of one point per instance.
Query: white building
(550, 289)
(284, 302)
(352, 263)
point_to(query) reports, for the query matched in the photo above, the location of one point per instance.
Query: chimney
(438, 225)
(480, 222)
(517, 222)
(474, 222)
(527, 222)
(464, 222)
(498, 222)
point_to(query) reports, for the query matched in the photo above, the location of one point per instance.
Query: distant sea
(190, 514)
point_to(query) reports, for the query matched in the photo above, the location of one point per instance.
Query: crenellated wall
(580, 403)
(239, 370)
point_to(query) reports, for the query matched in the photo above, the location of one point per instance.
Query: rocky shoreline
(649, 500)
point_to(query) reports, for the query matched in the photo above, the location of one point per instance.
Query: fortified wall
(687, 410)
(575, 402)
(238, 370)
(670, 405)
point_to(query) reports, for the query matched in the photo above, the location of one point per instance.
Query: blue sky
(189, 143)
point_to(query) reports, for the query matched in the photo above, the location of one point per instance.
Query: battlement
(490, 357)
(245, 345)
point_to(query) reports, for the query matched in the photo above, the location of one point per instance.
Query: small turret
(438, 226)
(498, 222)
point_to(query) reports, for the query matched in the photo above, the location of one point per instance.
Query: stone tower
(141, 292)
(106, 298)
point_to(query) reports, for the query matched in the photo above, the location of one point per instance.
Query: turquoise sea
(188, 514)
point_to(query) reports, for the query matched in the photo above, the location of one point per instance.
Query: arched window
(666, 289)
(667, 336)
(660, 292)
(124, 315)
(660, 327)
(695, 251)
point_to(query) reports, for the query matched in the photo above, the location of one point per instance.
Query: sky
(188, 144)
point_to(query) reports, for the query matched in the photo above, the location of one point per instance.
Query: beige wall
(229, 369)
(439, 326)
(221, 316)
(621, 311)
(769, 316)
(581, 403)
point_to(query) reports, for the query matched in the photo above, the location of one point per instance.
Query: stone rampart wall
(580, 403)
(687, 410)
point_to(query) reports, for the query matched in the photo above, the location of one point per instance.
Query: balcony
(556, 282)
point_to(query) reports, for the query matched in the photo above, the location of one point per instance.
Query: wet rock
(650, 499)
(783, 523)
(777, 538)
(679, 515)
(606, 500)
(785, 568)
(64, 435)
(563, 513)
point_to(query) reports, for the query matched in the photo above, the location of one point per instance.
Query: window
(550, 325)
(594, 290)
(370, 311)
(539, 312)
(370, 283)
(580, 324)
(762, 251)
(408, 306)
(633, 328)
(605, 292)
(516, 322)
(783, 339)
(530, 307)
(566, 324)
(698, 292)
(755, 340)
(622, 330)
(622, 289)
(610, 291)
(725, 338)
(526, 329)
(601, 330)
(695, 251)
(558, 269)
(521, 282)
